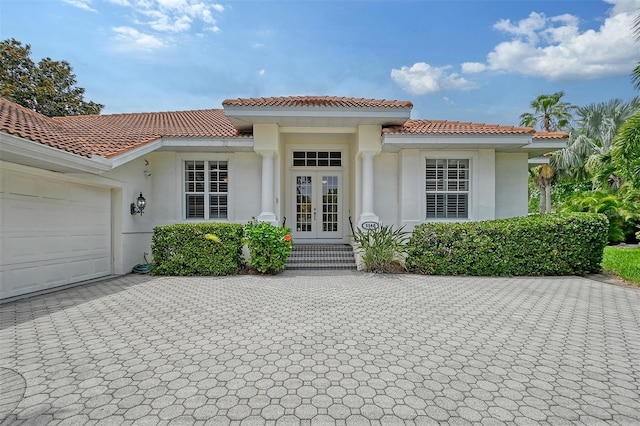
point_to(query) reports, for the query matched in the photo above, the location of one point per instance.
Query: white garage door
(53, 232)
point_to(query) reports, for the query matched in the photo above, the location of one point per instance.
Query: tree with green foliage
(635, 76)
(625, 154)
(550, 113)
(48, 87)
(592, 137)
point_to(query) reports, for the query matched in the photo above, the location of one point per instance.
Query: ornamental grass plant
(383, 249)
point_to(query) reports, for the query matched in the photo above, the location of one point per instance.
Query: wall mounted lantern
(139, 205)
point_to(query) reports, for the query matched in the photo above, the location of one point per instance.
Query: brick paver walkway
(304, 348)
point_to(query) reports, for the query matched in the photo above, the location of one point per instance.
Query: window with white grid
(447, 188)
(206, 189)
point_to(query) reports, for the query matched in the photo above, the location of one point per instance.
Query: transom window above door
(317, 158)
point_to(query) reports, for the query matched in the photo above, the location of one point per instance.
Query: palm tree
(635, 76)
(626, 151)
(543, 177)
(596, 127)
(549, 113)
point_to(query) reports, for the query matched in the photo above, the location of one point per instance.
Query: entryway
(317, 205)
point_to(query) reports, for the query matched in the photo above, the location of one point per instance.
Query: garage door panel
(60, 233)
(20, 214)
(54, 190)
(23, 184)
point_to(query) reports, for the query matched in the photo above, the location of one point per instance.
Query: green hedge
(197, 249)
(566, 244)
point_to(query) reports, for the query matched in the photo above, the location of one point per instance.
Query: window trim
(472, 201)
(182, 159)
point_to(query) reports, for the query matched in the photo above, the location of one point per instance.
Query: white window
(317, 158)
(206, 189)
(447, 188)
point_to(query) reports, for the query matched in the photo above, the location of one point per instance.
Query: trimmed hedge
(552, 244)
(197, 249)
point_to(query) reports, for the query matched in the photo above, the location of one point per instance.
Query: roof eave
(243, 117)
(396, 141)
(19, 150)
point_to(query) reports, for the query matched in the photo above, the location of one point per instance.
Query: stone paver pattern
(325, 348)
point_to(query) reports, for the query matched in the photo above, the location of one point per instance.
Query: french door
(317, 204)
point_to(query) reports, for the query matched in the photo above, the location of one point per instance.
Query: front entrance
(317, 206)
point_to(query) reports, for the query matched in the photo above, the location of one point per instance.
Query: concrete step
(321, 257)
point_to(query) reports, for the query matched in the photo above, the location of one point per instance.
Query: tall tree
(17, 73)
(635, 75)
(550, 113)
(595, 129)
(626, 151)
(48, 87)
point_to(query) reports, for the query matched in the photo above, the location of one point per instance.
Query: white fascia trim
(180, 143)
(36, 150)
(559, 144)
(480, 140)
(132, 154)
(243, 142)
(233, 112)
(536, 161)
(82, 178)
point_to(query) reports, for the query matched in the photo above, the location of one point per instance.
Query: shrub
(269, 246)
(622, 210)
(383, 249)
(197, 249)
(552, 244)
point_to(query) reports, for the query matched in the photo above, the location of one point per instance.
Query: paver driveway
(324, 348)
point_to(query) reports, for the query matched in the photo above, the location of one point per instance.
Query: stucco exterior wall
(511, 185)
(162, 186)
(386, 188)
(411, 181)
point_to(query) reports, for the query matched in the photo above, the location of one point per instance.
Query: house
(67, 184)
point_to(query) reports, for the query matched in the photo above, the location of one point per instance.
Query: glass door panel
(317, 205)
(304, 205)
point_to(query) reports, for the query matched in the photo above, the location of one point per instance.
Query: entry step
(321, 257)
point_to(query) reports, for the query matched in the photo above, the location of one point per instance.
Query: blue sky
(481, 60)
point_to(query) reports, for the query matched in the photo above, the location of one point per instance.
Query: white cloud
(81, 4)
(448, 101)
(423, 79)
(173, 16)
(130, 39)
(471, 67)
(262, 72)
(555, 48)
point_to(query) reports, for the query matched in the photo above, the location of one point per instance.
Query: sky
(482, 61)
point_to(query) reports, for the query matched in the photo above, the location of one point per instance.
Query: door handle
(314, 213)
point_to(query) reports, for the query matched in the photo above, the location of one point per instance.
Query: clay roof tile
(443, 127)
(110, 135)
(317, 101)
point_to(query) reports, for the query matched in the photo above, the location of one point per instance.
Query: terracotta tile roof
(551, 135)
(317, 101)
(110, 135)
(442, 127)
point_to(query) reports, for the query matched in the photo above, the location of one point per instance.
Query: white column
(267, 214)
(367, 214)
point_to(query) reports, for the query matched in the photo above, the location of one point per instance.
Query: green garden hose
(142, 268)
